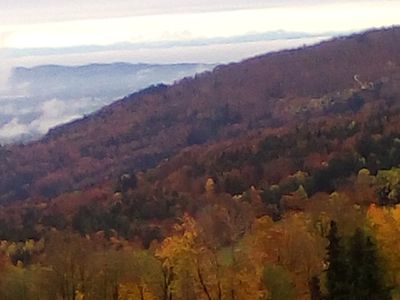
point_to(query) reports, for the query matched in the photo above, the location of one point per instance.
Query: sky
(173, 31)
(27, 24)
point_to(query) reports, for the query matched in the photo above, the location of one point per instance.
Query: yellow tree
(302, 250)
(197, 268)
(144, 279)
(291, 243)
(229, 268)
(108, 268)
(177, 254)
(385, 224)
(67, 256)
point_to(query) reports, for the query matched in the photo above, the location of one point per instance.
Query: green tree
(337, 284)
(278, 283)
(366, 275)
(354, 273)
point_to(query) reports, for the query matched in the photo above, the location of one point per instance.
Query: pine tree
(356, 265)
(354, 273)
(337, 284)
(374, 274)
(366, 274)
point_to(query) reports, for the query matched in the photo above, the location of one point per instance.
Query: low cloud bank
(40, 98)
(35, 121)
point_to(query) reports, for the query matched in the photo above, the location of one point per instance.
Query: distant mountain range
(246, 38)
(41, 97)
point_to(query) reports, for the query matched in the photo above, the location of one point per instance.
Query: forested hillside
(277, 90)
(274, 178)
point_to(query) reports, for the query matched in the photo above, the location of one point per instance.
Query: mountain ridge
(261, 93)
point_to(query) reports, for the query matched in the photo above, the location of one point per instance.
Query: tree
(385, 224)
(17, 284)
(373, 273)
(365, 274)
(315, 289)
(337, 284)
(354, 272)
(177, 254)
(278, 282)
(146, 275)
(68, 258)
(108, 270)
(388, 183)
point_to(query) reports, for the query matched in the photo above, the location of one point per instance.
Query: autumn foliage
(273, 178)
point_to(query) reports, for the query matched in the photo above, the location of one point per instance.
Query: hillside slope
(269, 94)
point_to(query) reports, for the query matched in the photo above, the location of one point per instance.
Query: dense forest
(274, 178)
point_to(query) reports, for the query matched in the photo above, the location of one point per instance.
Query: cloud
(53, 112)
(55, 95)
(13, 129)
(29, 11)
(182, 53)
(49, 114)
(6, 67)
(309, 17)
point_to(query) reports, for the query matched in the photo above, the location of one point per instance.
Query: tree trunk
(202, 283)
(141, 292)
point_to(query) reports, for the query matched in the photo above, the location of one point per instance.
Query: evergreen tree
(366, 274)
(374, 274)
(356, 265)
(338, 286)
(354, 272)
